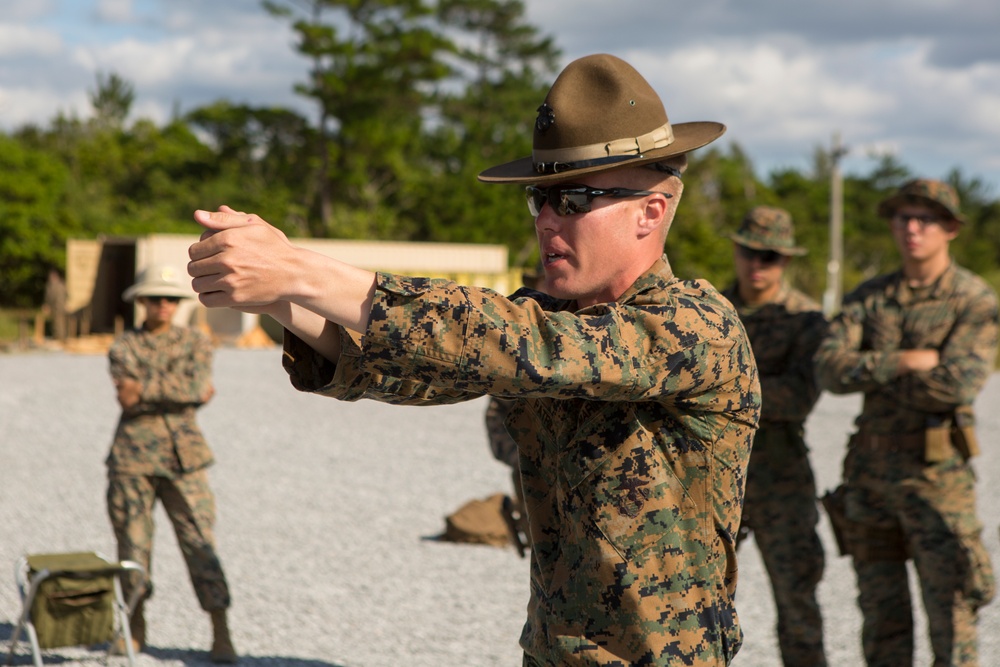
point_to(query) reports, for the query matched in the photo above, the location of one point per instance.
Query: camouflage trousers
(902, 508)
(780, 510)
(190, 505)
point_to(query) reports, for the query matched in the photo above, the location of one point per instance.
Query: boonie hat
(600, 114)
(938, 195)
(768, 228)
(158, 280)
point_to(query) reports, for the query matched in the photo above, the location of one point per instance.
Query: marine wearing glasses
(765, 257)
(570, 199)
(902, 219)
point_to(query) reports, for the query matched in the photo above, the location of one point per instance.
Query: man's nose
(547, 219)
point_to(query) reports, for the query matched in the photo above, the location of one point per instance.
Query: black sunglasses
(765, 257)
(570, 199)
(903, 219)
(168, 299)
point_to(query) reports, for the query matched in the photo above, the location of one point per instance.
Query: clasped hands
(240, 262)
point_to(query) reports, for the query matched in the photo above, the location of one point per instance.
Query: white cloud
(24, 105)
(27, 10)
(18, 42)
(115, 11)
(919, 77)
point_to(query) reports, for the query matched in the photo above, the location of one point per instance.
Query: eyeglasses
(157, 299)
(571, 199)
(903, 219)
(765, 257)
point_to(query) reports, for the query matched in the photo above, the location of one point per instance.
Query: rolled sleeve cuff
(885, 366)
(309, 370)
(414, 320)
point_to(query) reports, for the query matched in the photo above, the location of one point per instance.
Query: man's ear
(951, 228)
(655, 215)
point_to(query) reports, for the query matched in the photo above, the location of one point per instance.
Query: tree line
(412, 99)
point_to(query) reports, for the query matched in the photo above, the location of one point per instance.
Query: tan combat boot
(222, 645)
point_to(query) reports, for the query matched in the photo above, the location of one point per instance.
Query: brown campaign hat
(768, 228)
(938, 195)
(600, 114)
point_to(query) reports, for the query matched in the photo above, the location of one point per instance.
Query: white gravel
(325, 510)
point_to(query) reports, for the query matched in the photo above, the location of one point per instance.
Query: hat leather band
(618, 150)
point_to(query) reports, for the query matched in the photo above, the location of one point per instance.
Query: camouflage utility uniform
(909, 487)
(159, 453)
(502, 446)
(504, 449)
(633, 420)
(780, 504)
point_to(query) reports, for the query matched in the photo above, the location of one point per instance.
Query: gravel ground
(325, 515)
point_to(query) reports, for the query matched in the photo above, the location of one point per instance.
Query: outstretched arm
(242, 262)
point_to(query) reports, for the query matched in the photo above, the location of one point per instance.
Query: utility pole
(834, 266)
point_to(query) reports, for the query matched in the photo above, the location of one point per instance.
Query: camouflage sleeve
(182, 372)
(842, 367)
(791, 394)
(348, 381)
(968, 357)
(122, 360)
(502, 445)
(432, 340)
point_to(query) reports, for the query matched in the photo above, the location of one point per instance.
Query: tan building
(99, 270)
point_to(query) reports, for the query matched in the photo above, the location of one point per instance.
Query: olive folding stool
(73, 599)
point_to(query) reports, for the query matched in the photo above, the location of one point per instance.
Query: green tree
(33, 225)
(487, 111)
(719, 188)
(112, 100)
(262, 160)
(978, 244)
(374, 63)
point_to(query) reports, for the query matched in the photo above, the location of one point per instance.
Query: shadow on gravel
(189, 657)
(184, 656)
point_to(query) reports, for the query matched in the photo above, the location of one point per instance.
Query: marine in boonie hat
(937, 195)
(768, 228)
(601, 114)
(158, 280)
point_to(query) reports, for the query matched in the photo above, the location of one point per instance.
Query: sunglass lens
(564, 199)
(573, 200)
(765, 257)
(536, 199)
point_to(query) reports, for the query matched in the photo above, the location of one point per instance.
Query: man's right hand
(914, 361)
(129, 392)
(241, 262)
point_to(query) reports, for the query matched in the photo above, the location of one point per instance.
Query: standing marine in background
(785, 327)
(920, 343)
(162, 374)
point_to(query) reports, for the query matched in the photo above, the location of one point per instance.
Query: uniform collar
(902, 292)
(733, 294)
(656, 278)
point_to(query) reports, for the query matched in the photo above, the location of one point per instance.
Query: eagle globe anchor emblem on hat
(546, 118)
(609, 117)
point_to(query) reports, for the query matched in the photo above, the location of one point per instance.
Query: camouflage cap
(768, 228)
(937, 195)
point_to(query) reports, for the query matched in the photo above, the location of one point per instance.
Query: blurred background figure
(162, 374)
(920, 343)
(785, 327)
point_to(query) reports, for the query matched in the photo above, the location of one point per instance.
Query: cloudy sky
(916, 78)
